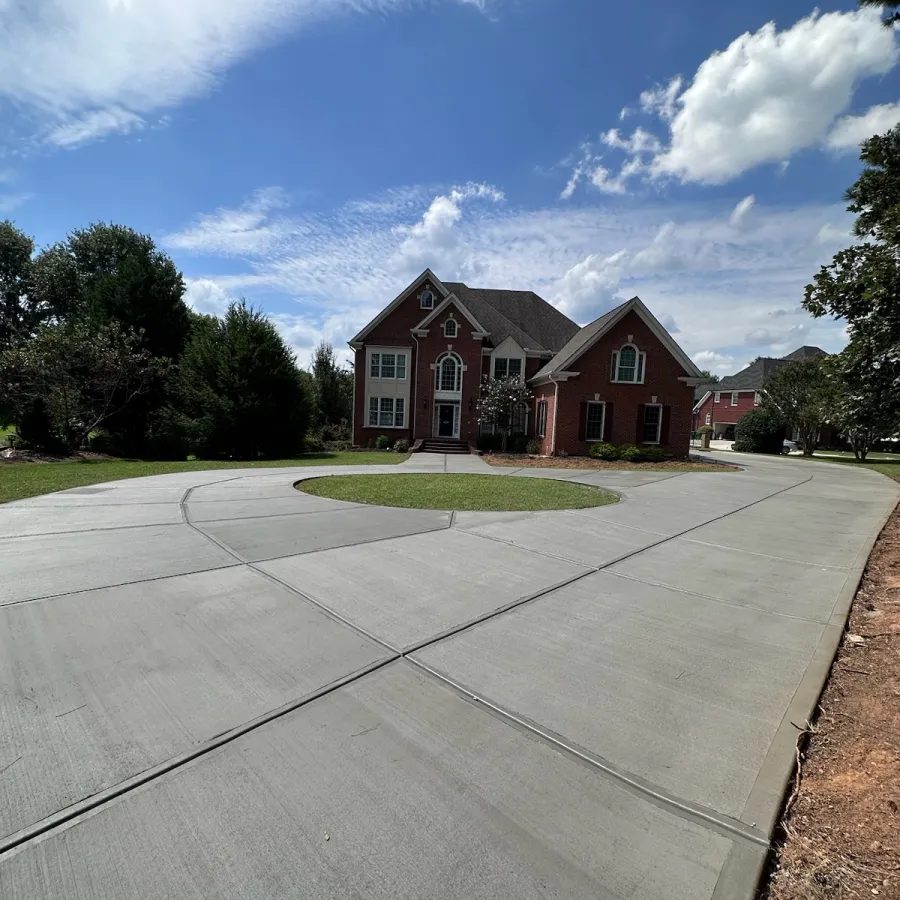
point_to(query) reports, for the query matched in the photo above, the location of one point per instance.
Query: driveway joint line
(799, 562)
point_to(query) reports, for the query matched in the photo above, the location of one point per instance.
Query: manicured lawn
(27, 479)
(457, 492)
(886, 465)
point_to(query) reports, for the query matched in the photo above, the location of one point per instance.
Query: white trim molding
(428, 276)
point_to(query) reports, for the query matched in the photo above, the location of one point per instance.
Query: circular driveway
(215, 686)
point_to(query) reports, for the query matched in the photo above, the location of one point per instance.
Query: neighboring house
(724, 404)
(421, 361)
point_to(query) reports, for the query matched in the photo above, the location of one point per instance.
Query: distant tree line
(99, 349)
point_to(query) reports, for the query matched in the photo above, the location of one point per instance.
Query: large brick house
(724, 404)
(420, 364)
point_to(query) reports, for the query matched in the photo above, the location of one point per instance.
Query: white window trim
(709, 418)
(496, 359)
(757, 398)
(380, 352)
(647, 406)
(601, 403)
(718, 397)
(460, 369)
(540, 429)
(735, 398)
(394, 402)
(455, 325)
(422, 304)
(640, 365)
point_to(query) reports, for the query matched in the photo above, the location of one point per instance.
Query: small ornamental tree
(499, 400)
(803, 395)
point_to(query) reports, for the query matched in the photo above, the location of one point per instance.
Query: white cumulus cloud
(850, 131)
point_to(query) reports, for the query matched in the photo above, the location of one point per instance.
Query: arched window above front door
(448, 373)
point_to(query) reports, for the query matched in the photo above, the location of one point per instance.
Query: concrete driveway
(214, 686)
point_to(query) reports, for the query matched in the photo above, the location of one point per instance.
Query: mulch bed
(585, 462)
(26, 456)
(841, 830)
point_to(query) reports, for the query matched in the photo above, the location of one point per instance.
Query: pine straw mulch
(585, 462)
(841, 828)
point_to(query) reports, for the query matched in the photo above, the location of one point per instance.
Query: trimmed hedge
(626, 453)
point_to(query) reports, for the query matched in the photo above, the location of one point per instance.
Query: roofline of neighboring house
(356, 341)
(695, 376)
(702, 400)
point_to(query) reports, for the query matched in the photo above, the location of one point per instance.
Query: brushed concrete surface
(102, 685)
(404, 591)
(390, 787)
(172, 735)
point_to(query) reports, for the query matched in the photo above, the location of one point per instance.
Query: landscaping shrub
(629, 453)
(402, 446)
(705, 429)
(602, 450)
(384, 442)
(534, 447)
(490, 443)
(338, 446)
(517, 443)
(312, 444)
(759, 431)
(652, 454)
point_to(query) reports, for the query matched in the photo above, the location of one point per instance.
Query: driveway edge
(742, 872)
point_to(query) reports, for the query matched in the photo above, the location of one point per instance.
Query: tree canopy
(332, 388)
(802, 396)
(499, 400)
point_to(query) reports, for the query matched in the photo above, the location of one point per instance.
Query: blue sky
(315, 155)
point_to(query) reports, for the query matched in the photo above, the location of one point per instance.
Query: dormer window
(451, 329)
(628, 365)
(426, 300)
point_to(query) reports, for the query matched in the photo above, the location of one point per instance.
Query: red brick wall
(394, 331)
(723, 411)
(661, 373)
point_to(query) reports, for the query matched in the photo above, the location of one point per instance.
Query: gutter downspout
(555, 410)
(414, 400)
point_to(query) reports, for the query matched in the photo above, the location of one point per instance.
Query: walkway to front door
(447, 420)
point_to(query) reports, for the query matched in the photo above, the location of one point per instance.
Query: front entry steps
(441, 445)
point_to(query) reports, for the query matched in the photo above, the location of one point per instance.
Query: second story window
(508, 368)
(734, 398)
(388, 365)
(628, 365)
(718, 396)
(451, 329)
(448, 374)
(426, 300)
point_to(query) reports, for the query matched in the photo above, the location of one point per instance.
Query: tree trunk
(505, 439)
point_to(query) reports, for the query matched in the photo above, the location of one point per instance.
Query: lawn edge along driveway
(460, 492)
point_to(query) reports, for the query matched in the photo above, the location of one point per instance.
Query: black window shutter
(612, 368)
(664, 427)
(582, 422)
(607, 423)
(640, 424)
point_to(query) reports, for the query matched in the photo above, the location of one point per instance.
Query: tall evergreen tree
(19, 313)
(333, 386)
(239, 389)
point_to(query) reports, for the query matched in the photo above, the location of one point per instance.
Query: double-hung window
(388, 365)
(652, 423)
(541, 429)
(628, 365)
(593, 424)
(734, 398)
(508, 367)
(718, 397)
(387, 412)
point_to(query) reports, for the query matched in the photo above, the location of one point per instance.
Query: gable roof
(703, 389)
(428, 276)
(522, 315)
(754, 376)
(590, 334)
(451, 300)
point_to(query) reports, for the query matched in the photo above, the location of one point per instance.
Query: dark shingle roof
(577, 341)
(753, 377)
(522, 315)
(700, 390)
(804, 353)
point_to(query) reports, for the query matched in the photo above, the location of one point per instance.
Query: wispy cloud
(91, 68)
(324, 274)
(762, 99)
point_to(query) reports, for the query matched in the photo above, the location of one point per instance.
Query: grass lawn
(887, 465)
(458, 492)
(28, 479)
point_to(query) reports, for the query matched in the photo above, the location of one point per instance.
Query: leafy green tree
(500, 399)
(19, 314)
(759, 431)
(332, 386)
(78, 377)
(803, 396)
(239, 390)
(710, 378)
(891, 18)
(110, 273)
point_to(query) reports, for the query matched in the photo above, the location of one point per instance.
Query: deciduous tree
(803, 395)
(500, 398)
(333, 387)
